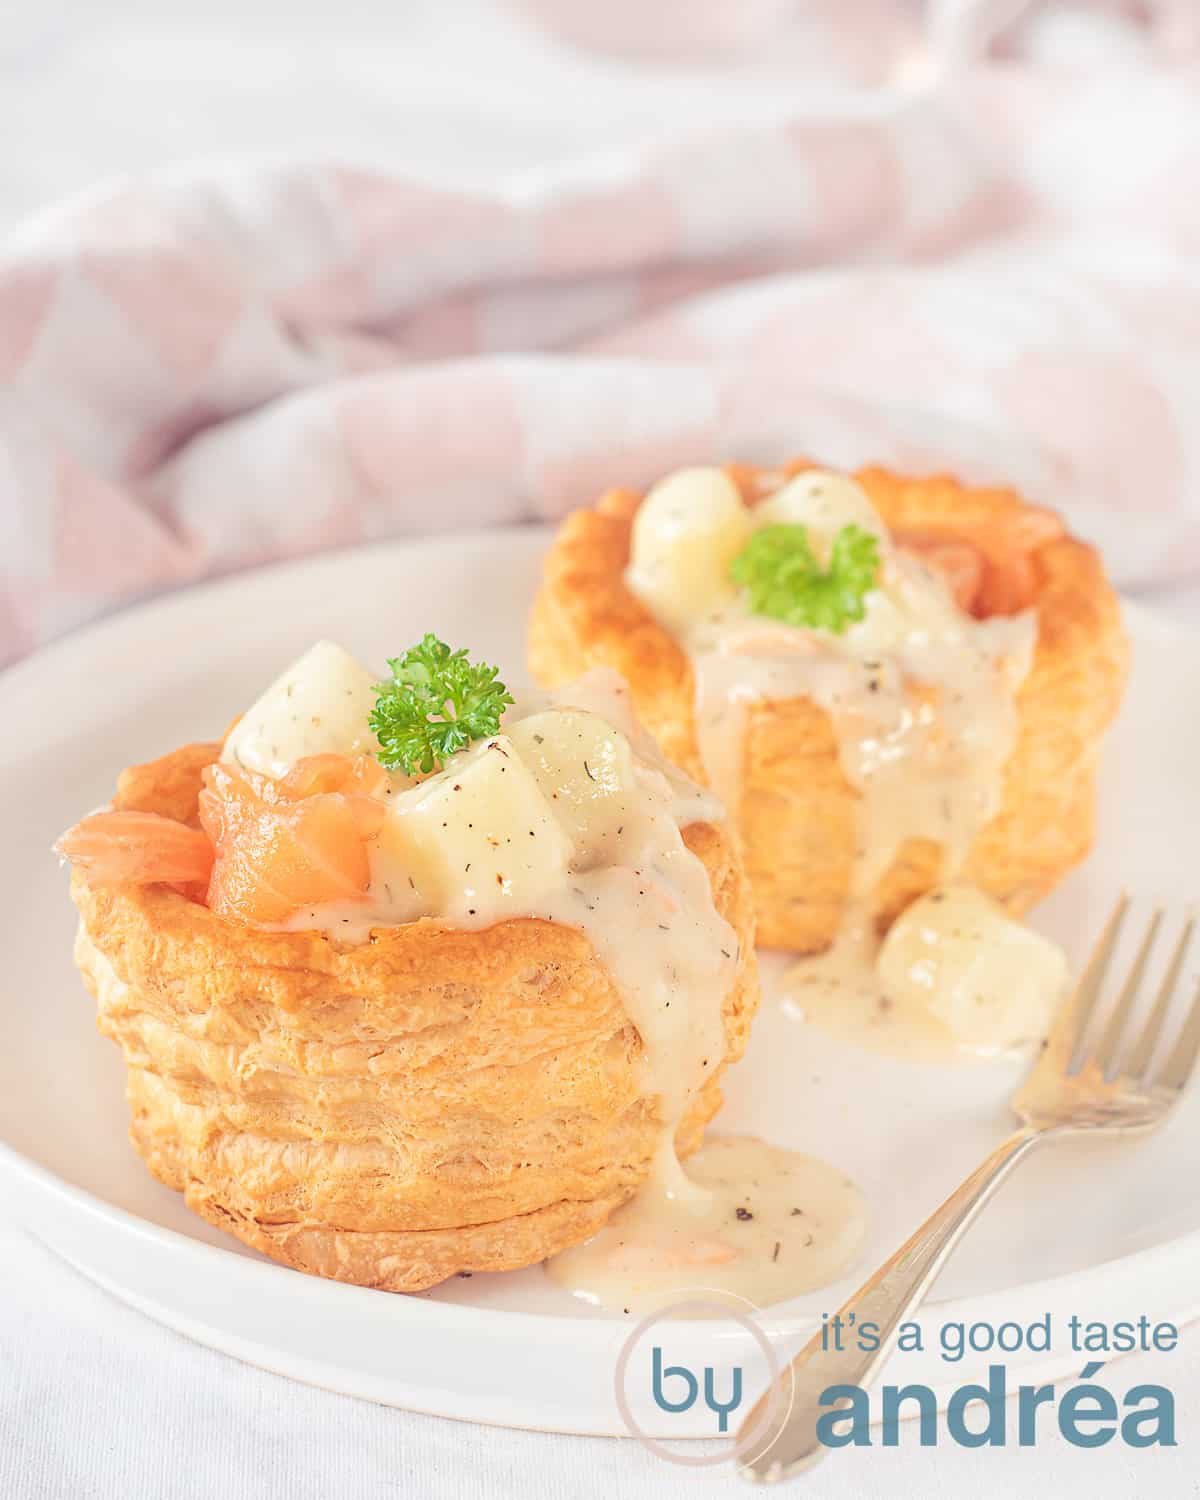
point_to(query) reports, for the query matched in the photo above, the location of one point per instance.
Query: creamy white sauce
(955, 978)
(746, 1218)
(921, 697)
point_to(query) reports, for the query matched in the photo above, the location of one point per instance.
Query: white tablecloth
(95, 1401)
(98, 1403)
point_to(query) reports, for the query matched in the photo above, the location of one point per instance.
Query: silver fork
(1073, 1089)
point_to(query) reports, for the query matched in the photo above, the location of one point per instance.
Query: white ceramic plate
(1106, 1230)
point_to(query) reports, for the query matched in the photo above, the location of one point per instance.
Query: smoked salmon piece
(142, 847)
(333, 773)
(264, 848)
(959, 563)
(987, 563)
(300, 841)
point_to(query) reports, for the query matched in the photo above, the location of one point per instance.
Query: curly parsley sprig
(433, 705)
(783, 579)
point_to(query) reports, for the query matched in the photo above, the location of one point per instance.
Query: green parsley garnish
(781, 574)
(434, 704)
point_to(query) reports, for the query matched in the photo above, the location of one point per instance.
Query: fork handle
(790, 1444)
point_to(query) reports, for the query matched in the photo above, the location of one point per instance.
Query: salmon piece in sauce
(297, 842)
(988, 565)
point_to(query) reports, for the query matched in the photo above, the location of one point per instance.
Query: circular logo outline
(741, 1444)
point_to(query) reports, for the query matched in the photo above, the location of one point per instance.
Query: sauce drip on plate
(955, 979)
(746, 1218)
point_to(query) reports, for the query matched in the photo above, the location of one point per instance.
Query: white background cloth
(96, 1401)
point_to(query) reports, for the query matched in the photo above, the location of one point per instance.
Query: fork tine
(1106, 1053)
(1066, 1038)
(1144, 1050)
(1183, 1055)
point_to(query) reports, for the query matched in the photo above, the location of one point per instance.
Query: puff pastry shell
(428, 1102)
(797, 816)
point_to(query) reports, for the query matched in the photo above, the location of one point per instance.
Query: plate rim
(779, 1325)
(129, 614)
(98, 634)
